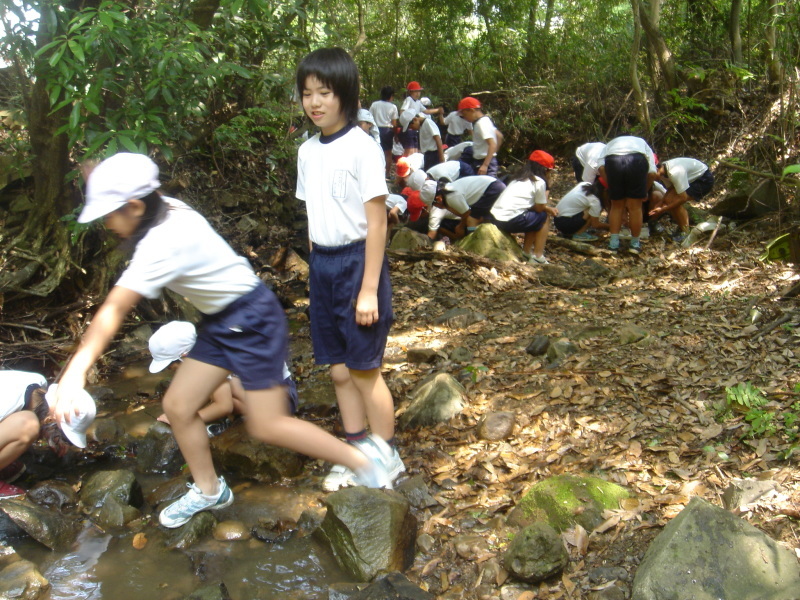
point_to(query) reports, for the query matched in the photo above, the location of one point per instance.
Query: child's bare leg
(376, 399)
(348, 397)
(268, 420)
(527, 242)
(634, 215)
(17, 432)
(189, 391)
(615, 216)
(540, 238)
(221, 404)
(681, 216)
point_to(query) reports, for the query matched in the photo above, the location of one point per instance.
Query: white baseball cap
(171, 342)
(425, 101)
(116, 180)
(406, 117)
(365, 115)
(428, 191)
(416, 180)
(75, 430)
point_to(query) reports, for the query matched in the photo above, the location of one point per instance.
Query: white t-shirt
(384, 113)
(410, 103)
(450, 170)
(393, 200)
(335, 178)
(467, 191)
(589, 154)
(456, 125)
(427, 131)
(576, 201)
(682, 172)
(455, 152)
(184, 254)
(437, 215)
(483, 131)
(518, 197)
(13, 385)
(628, 144)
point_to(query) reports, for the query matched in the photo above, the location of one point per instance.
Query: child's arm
(367, 302)
(439, 147)
(104, 326)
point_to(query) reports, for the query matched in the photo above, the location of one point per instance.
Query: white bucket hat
(171, 342)
(428, 191)
(406, 117)
(416, 180)
(116, 180)
(75, 430)
(425, 101)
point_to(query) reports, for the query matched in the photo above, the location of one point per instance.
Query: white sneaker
(538, 260)
(624, 233)
(192, 502)
(339, 477)
(379, 453)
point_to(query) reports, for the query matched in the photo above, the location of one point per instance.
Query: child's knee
(340, 375)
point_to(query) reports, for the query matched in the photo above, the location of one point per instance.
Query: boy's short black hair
(336, 70)
(387, 92)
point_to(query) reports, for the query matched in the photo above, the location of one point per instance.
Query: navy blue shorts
(449, 224)
(409, 138)
(701, 186)
(627, 176)
(452, 140)
(530, 220)
(335, 277)
(249, 337)
(569, 226)
(485, 203)
(431, 159)
(387, 137)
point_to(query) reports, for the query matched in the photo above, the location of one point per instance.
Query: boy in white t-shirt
(430, 140)
(685, 179)
(340, 179)
(384, 111)
(486, 138)
(457, 126)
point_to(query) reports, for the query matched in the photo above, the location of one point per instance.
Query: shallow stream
(106, 565)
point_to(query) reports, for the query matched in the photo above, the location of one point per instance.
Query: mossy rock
(566, 500)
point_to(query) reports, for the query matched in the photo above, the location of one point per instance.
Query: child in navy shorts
(340, 178)
(243, 331)
(685, 179)
(523, 208)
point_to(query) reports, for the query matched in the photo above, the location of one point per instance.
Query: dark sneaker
(12, 472)
(10, 491)
(635, 248)
(218, 427)
(192, 502)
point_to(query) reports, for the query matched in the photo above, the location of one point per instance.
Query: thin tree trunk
(770, 35)
(548, 16)
(530, 46)
(641, 100)
(735, 31)
(362, 32)
(662, 52)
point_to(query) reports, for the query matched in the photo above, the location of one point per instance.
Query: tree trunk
(662, 52)
(735, 31)
(530, 45)
(548, 16)
(641, 100)
(774, 70)
(362, 32)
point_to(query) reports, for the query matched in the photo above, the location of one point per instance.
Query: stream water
(107, 566)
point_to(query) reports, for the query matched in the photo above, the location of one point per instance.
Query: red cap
(402, 168)
(415, 205)
(543, 158)
(469, 102)
(414, 86)
(602, 181)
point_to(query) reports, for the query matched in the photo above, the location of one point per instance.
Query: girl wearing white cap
(244, 330)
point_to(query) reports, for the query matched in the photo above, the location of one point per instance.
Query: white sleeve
(458, 202)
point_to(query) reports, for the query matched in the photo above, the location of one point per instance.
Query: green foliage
(745, 394)
(765, 419)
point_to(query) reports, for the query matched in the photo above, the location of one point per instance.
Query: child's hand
(65, 393)
(367, 309)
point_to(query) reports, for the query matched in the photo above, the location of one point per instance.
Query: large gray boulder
(48, 527)
(536, 553)
(369, 531)
(706, 553)
(408, 239)
(20, 579)
(236, 451)
(436, 400)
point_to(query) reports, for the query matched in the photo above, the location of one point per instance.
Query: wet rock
(538, 346)
(565, 500)
(310, 519)
(231, 531)
(106, 431)
(536, 553)
(741, 492)
(560, 349)
(167, 491)
(21, 580)
(496, 426)
(461, 354)
(425, 542)
(134, 344)
(369, 531)
(394, 586)
(217, 591)
(9, 530)
(606, 574)
(421, 355)
(53, 494)
(459, 318)
(114, 514)
(470, 546)
(48, 527)
(630, 334)
(488, 241)
(613, 592)
(415, 490)
(406, 239)
(101, 486)
(158, 452)
(344, 591)
(239, 453)
(707, 553)
(436, 400)
(196, 529)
